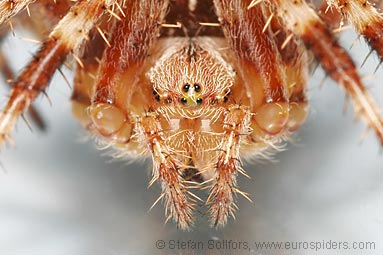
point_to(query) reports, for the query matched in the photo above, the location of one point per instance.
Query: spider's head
(191, 75)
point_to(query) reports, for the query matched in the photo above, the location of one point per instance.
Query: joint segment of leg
(167, 171)
(221, 199)
(36, 76)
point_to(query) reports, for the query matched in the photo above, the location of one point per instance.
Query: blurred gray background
(60, 195)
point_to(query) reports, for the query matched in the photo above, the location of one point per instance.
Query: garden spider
(194, 84)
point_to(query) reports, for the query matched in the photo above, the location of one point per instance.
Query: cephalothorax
(195, 84)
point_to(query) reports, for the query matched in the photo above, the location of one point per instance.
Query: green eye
(199, 101)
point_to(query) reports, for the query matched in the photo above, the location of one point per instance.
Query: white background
(59, 195)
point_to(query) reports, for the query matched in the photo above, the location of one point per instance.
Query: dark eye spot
(225, 99)
(184, 101)
(154, 92)
(158, 98)
(186, 87)
(199, 101)
(197, 87)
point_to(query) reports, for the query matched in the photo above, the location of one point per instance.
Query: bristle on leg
(223, 190)
(166, 170)
(333, 58)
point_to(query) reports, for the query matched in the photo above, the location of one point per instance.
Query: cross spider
(195, 84)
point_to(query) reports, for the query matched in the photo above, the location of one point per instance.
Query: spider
(197, 85)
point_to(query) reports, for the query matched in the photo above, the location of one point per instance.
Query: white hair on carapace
(192, 61)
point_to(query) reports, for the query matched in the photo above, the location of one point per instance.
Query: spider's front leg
(68, 34)
(260, 65)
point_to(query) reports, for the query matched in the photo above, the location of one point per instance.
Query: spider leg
(68, 34)
(260, 65)
(365, 18)
(8, 75)
(43, 9)
(296, 63)
(121, 63)
(332, 57)
(84, 80)
(10, 8)
(221, 199)
(130, 42)
(48, 10)
(297, 78)
(330, 16)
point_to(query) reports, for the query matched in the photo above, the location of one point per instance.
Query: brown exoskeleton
(194, 84)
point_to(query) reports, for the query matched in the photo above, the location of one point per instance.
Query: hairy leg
(296, 62)
(221, 199)
(84, 79)
(332, 57)
(122, 63)
(10, 8)
(52, 12)
(260, 64)
(68, 34)
(178, 203)
(365, 18)
(8, 75)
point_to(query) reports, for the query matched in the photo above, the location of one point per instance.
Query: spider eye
(199, 101)
(225, 99)
(158, 98)
(197, 87)
(186, 87)
(184, 101)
